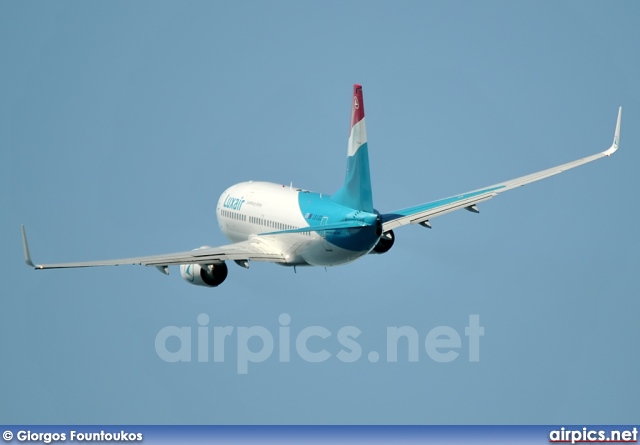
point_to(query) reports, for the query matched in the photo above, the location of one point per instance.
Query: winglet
(616, 136)
(25, 246)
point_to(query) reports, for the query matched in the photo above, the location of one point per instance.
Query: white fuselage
(255, 208)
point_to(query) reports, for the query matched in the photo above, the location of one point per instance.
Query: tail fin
(356, 191)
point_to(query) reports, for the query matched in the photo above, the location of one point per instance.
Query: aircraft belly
(316, 254)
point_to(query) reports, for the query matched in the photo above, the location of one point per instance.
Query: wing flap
(424, 212)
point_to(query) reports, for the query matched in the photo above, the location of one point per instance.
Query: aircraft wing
(421, 214)
(255, 249)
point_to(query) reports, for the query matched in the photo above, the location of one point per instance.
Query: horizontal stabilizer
(352, 224)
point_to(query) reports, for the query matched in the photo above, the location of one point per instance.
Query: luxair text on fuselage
(233, 203)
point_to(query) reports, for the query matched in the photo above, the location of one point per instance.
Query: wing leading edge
(254, 249)
(421, 214)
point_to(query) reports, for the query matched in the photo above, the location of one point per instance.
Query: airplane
(295, 227)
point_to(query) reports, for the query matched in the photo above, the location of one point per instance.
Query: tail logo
(356, 105)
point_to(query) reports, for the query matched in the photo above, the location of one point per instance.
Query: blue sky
(121, 123)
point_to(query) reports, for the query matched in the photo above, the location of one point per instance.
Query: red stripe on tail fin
(357, 106)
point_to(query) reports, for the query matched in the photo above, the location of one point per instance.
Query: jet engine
(208, 275)
(384, 243)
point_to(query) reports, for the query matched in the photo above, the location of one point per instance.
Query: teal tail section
(356, 191)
